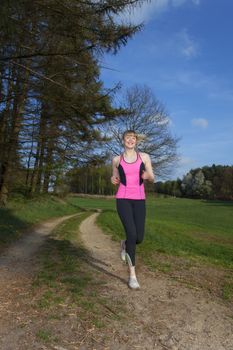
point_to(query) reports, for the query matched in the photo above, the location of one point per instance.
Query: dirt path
(17, 267)
(163, 314)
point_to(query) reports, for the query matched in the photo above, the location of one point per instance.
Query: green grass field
(195, 229)
(191, 240)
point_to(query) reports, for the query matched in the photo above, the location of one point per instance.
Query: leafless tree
(145, 114)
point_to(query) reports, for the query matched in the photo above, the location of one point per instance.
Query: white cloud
(184, 165)
(179, 44)
(189, 48)
(223, 94)
(186, 160)
(215, 145)
(200, 122)
(146, 11)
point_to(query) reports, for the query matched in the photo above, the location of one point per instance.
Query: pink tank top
(131, 183)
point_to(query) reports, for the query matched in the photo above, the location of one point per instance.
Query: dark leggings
(132, 213)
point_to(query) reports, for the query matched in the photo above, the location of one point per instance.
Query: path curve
(18, 265)
(163, 314)
(18, 256)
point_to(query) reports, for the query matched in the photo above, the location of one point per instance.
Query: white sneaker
(123, 251)
(133, 283)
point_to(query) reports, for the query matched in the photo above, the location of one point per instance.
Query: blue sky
(185, 54)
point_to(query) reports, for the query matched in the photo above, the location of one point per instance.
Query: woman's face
(130, 141)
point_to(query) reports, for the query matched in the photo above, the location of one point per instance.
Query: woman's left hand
(148, 172)
(145, 175)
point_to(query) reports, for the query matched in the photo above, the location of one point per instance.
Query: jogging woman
(130, 169)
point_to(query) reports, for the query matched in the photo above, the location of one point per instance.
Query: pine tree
(52, 98)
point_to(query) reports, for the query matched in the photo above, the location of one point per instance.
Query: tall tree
(145, 114)
(51, 58)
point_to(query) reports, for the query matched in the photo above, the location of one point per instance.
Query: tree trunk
(39, 159)
(30, 155)
(51, 135)
(4, 122)
(20, 93)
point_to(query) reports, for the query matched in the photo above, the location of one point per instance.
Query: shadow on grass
(10, 226)
(63, 257)
(68, 275)
(218, 203)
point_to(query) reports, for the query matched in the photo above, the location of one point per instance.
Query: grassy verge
(69, 287)
(22, 213)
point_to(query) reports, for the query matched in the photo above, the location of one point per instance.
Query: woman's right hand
(115, 180)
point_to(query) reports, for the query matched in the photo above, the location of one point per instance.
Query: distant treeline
(209, 182)
(91, 180)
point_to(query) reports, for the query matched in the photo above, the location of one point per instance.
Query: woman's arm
(148, 174)
(115, 179)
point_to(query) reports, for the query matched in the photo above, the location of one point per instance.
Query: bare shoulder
(145, 156)
(116, 160)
